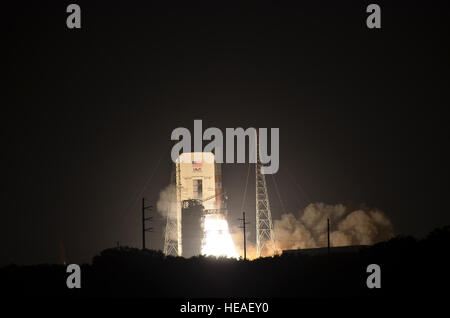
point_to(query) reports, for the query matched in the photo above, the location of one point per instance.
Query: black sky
(88, 113)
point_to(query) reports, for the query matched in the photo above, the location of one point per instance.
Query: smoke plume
(348, 226)
(167, 206)
(237, 234)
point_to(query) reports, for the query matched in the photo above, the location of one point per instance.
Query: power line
(299, 187)
(278, 194)
(245, 189)
(149, 178)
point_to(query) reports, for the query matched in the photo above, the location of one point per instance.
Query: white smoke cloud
(362, 226)
(237, 236)
(308, 229)
(167, 206)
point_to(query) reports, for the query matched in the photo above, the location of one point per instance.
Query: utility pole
(144, 219)
(245, 240)
(328, 234)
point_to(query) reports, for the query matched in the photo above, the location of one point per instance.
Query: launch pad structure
(197, 181)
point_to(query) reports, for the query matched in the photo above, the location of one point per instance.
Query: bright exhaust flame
(217, 240)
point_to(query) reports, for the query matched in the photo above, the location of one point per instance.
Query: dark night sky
(88, 113)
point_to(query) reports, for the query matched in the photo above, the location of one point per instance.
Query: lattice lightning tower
(264, 227)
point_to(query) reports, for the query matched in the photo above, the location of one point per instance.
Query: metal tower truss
(265, 240)
(178, 208)
(172, 240)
